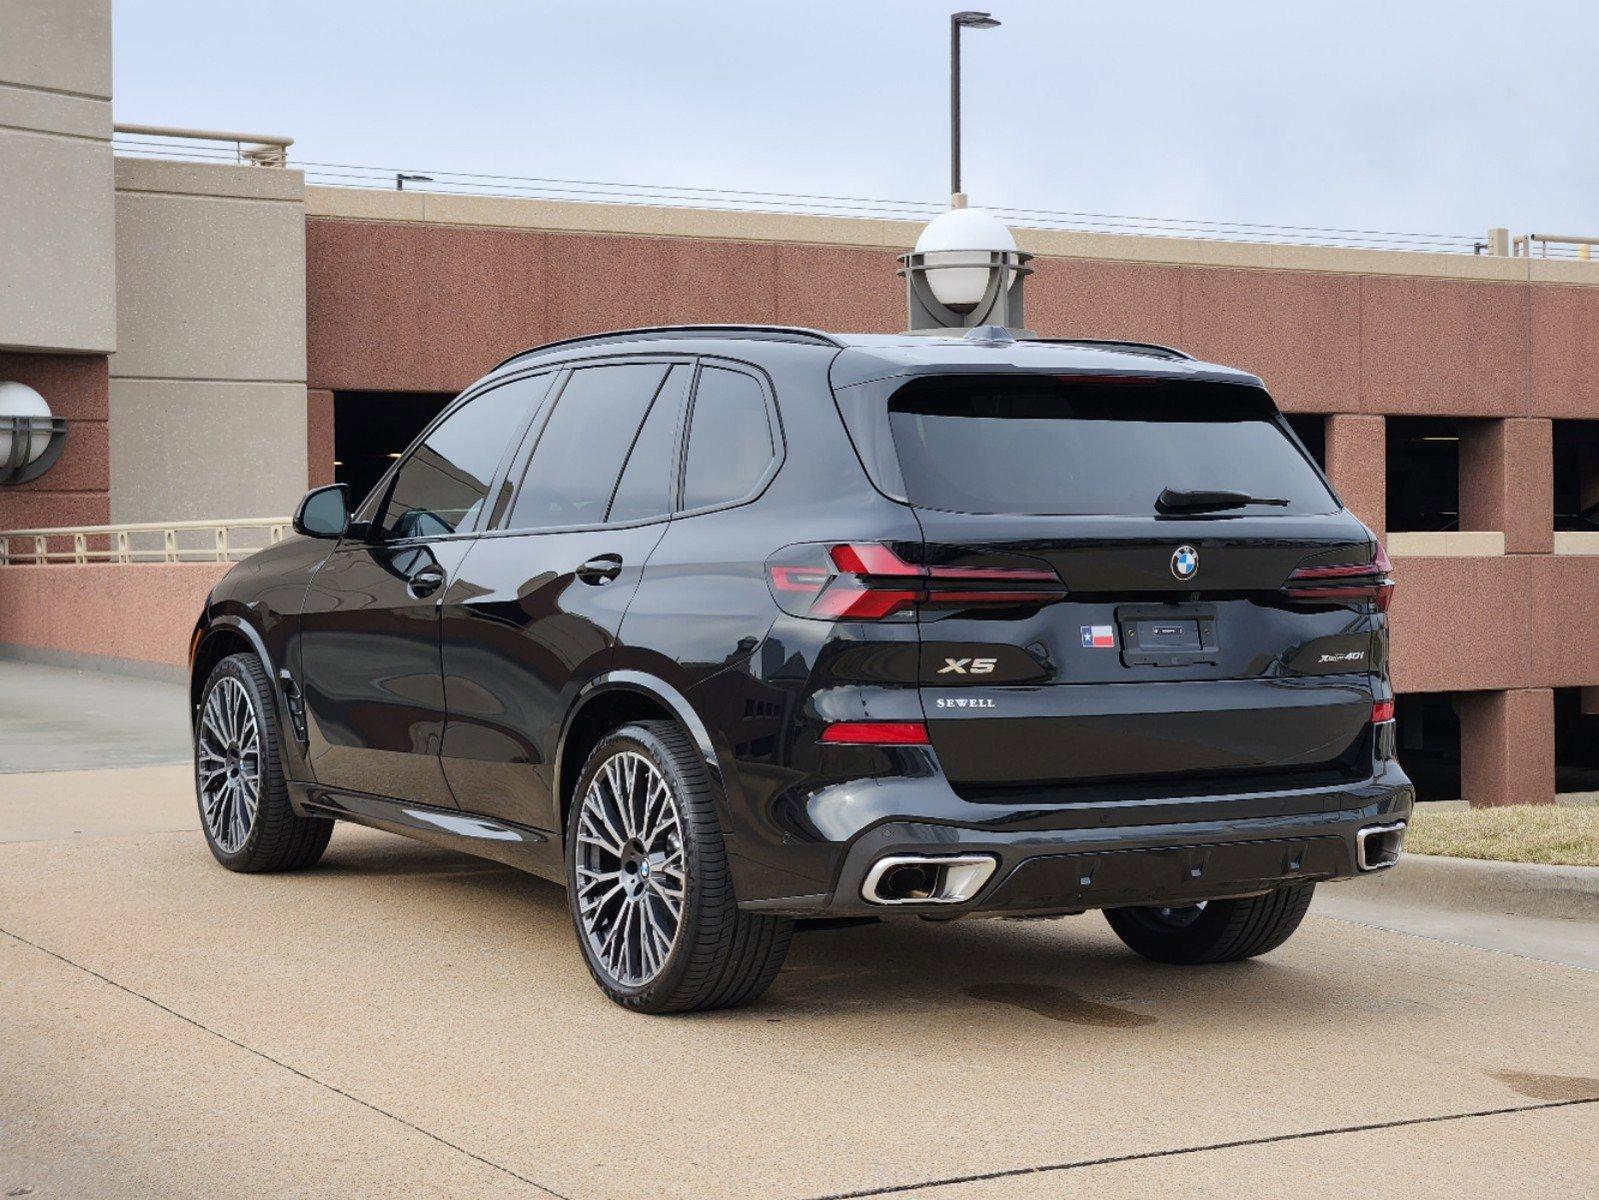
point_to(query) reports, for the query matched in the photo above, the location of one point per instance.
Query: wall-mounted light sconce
(30, 437)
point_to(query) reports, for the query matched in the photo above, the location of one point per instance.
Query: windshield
(1059, 446)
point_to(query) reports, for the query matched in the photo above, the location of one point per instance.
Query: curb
(1477, 885)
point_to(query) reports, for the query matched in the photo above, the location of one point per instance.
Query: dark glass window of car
(443, 484)
(645, 489)
(1064, 447)
(574, 467)
(730, 442)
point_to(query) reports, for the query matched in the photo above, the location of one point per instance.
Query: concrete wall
(207, 392)
(143, 613)
(57, 286)
(1331, 330)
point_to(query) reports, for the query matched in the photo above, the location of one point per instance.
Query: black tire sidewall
(236, 666)
(1216, 936)
(685, 792)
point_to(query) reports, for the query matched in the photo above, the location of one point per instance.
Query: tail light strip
(1348, 581)
(867, 581)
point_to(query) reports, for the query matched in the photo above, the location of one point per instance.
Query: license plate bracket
(1167, 635)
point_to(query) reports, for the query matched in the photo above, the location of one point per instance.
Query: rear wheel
(238, 776)
(1217, 931)
(648, 883)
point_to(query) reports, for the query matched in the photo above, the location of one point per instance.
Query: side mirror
(324, 512)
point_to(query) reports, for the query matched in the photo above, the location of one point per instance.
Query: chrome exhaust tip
(927, 879)
(1379, 846)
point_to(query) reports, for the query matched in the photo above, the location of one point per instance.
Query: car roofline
(778, 333)
(1152, 349)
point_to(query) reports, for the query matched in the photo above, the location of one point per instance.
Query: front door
(374, 695)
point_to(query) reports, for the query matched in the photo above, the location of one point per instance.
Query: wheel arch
(222, 637)
(229, 634)
(614, 699)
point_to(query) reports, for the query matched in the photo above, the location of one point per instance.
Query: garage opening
(1576, 447)
(1423, 474)
(1427, 726)
(1311, 428)
(1576, 740)
(372, 429)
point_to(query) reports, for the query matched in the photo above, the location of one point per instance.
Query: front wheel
(243, 794)
(648, 882)
(1213, 932)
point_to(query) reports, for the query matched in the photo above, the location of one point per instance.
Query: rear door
(1175, 660)
(533, 613)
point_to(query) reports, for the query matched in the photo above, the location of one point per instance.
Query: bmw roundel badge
(1185, 562)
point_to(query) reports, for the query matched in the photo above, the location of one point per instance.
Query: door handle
(600, 569)
(426, 581)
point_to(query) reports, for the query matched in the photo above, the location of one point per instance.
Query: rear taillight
(868, 581)
(1345, 582)
(875, 733)
(1384, 735)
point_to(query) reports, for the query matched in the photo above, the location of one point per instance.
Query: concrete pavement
(406, 1021)
(1518, 908)
(56, 718)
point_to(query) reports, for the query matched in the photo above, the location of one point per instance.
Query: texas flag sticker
(1099, 637)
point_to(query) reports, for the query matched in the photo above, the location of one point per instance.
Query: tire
(624, 870)
(1220, 931)
(237, 710)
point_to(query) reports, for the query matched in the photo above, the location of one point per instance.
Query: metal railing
(257, 149)
(1522, 246)
(155, 541)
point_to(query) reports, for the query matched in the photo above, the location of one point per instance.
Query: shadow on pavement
(1070, 971)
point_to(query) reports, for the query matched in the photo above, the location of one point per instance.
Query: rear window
(1053, 446)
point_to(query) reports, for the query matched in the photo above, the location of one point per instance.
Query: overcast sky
(1421, 115)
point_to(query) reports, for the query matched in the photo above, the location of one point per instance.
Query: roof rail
(787, 333)
(1150, 349)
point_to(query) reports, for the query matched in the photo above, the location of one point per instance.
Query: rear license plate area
(1167, 635)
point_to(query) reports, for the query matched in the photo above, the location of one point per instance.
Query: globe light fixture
(958, 247)
(30, 437)
(964, 272)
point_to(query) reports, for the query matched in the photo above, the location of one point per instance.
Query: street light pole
(957, 22)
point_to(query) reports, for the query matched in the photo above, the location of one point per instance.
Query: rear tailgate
(1176, 660)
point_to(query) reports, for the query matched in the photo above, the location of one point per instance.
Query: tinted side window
(645, 489)
(573, 471)
(442, 485)
(730, 442)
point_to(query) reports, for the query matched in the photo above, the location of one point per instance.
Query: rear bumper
(1043, 871)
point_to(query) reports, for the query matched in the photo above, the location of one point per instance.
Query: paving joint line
(293, 1070)
(900, 1189)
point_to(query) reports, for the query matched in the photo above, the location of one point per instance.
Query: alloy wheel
(631, 879)
(229, 764)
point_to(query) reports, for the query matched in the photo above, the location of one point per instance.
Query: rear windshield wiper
(1194, 500)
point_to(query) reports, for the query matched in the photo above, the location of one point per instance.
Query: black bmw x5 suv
(725, 627)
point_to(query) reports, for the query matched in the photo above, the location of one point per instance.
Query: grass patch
(1529, 833)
